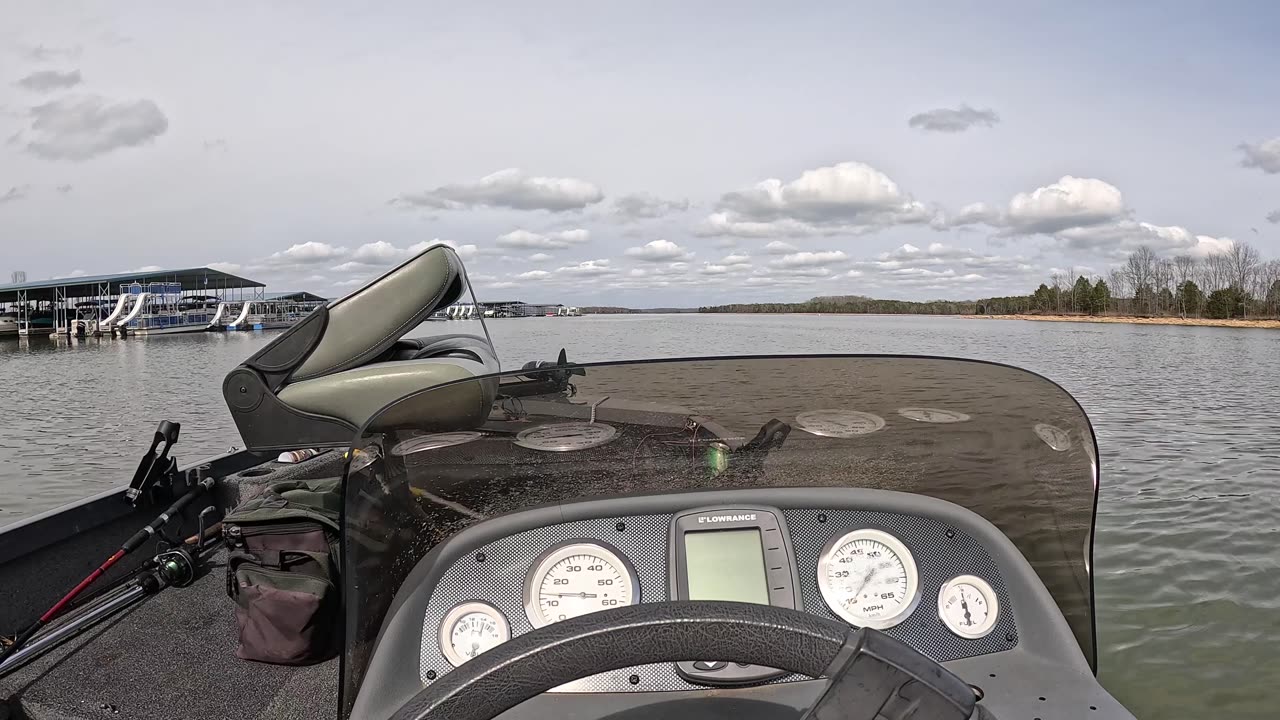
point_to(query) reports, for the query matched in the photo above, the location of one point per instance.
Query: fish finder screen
(726, 565)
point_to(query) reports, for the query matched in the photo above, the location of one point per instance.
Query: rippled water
(1188, 420)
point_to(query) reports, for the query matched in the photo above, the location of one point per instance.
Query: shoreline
(1271, 324)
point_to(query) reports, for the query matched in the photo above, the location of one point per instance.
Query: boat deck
(170, 658)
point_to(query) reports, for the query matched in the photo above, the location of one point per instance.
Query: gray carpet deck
(170, 658)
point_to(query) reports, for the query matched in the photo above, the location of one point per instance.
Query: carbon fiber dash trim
(499, 580)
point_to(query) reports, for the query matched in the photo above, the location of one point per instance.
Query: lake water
(1188, 421)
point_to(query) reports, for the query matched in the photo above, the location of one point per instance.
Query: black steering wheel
(531, 664)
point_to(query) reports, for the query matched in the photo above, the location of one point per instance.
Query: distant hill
(605, 310)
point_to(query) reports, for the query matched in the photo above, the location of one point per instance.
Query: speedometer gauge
(576, 579)
(869, 578)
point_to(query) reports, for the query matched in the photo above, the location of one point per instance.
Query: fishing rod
(130, 545)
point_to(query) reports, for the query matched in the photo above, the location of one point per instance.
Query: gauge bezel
(988, 594)
(455, 614)
(555, 554)
(908, 563)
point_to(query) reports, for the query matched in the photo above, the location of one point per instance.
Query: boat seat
(329, 375)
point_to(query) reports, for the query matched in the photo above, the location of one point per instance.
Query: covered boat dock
(144, 302)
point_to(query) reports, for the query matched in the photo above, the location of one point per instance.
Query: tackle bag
(282, 571)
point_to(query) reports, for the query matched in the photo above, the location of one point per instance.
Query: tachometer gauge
(576, 579)
(968, 606)
(869, 578)
(470, 629)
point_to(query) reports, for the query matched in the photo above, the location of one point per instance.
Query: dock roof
(87, 286)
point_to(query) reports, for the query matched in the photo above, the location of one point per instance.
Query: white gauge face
(968, 606)
(577, 579)
(470, 629)
(869, 578)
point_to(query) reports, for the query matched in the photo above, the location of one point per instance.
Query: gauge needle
(968, 619)
(577, 595)
(865, 580)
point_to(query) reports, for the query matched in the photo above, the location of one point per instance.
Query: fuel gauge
(968, 606)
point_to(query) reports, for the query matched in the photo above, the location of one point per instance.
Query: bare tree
(1140, 267)
(1243, 260)
(1119, 285)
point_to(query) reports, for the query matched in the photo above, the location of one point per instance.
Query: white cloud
(80, 127)
(500, 285)
(735, 259)
(226, 267)
(521, 238)
(847, 198)
(1120, 238)
(307, 253)
(643, 206)
(809, 259)
(510, 188)
(586, 268)
(1263, 155)
(466, 252)
(349, 283)
(953, 120)
(659, 251)
(1070, 202)
(146, 269)
(70, 275)
(534, 275)
(379, 253)
(539, 257)
(777, 247)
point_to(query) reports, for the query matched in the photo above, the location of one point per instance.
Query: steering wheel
(531, 664)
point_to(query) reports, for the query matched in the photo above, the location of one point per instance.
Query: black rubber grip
(535, 662)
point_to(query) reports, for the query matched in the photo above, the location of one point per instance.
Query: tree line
(1235, 283)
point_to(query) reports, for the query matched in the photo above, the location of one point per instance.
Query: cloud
(939, 266)
(500, 285)
(466, 252)
(953, 120)
(509, 188)
(1071, 202)
(659, 251)
(847, 198)
(14, 194)
(349, 283)
(539, 257)
(777, 247)
(587, 268)
(643, 206)
(1120, 238)
(378, 253)
(735, 259)
(79, 127)
(1263, 155)
(70, 275)
(1273, 217)
(534, 275)
(226, 267)
(45, 80)
(521, 238)
(809, 259)
(307, 253)
(44, 53)
(145, 269)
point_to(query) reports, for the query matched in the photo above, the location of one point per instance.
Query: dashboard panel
(926, 580)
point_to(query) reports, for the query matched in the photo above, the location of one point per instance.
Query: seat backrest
(364, 324)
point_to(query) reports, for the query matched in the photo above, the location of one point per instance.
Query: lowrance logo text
(725, 518)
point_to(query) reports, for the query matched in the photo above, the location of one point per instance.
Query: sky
(666, 154)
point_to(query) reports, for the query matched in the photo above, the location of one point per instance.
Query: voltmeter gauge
(470, 629)
(968, 606)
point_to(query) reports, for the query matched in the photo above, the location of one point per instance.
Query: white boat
(8, 325)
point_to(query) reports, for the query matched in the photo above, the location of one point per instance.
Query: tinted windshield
(1006, 444)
